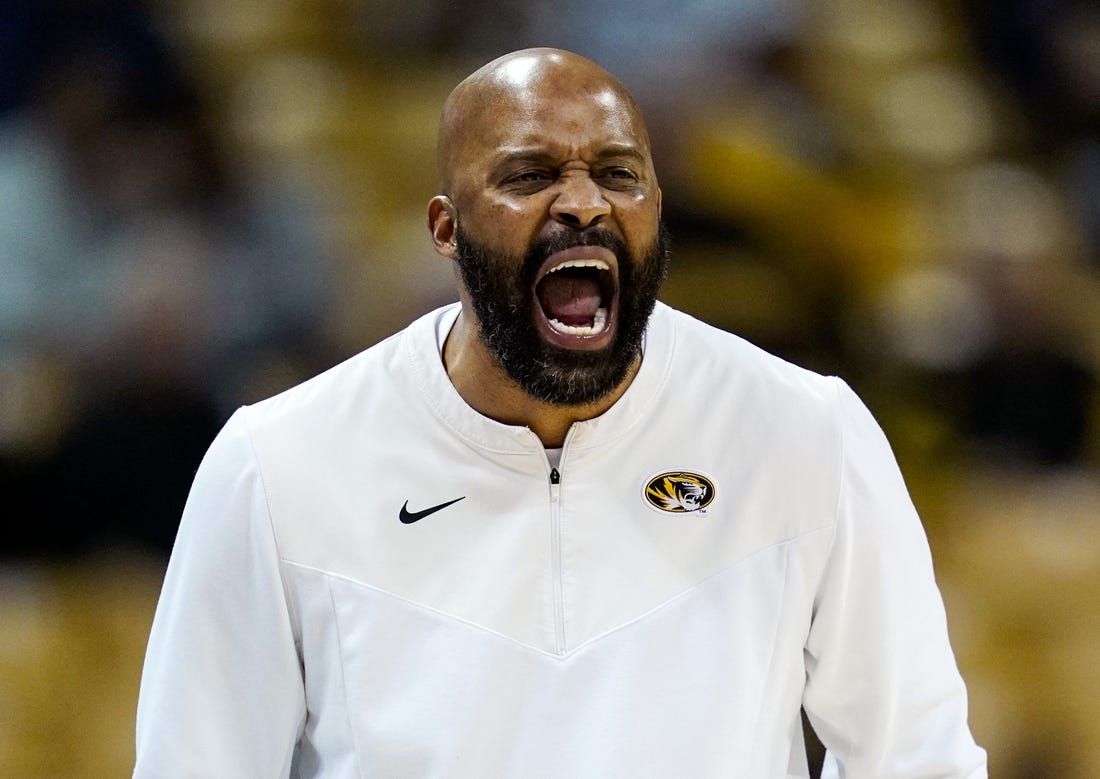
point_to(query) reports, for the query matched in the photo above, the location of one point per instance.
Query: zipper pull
(555, 477)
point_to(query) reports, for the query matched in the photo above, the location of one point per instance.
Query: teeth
(597, 264)
(599, 322)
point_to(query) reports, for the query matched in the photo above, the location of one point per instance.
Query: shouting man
(556, 529)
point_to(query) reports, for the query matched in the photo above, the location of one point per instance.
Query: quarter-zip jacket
(532, 621)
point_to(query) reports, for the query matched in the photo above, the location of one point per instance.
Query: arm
(883, 691)
(221, 692)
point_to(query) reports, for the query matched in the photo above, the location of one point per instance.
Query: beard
(503, 299)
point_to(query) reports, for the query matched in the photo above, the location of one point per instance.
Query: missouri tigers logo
(679, 492)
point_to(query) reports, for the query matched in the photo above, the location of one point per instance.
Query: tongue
(571, 301)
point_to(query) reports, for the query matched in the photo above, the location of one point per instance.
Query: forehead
(572, 119)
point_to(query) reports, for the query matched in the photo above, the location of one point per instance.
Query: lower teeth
(599, 322)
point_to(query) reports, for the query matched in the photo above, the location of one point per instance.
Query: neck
(482, 383)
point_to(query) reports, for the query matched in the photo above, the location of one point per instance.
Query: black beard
(503, 298)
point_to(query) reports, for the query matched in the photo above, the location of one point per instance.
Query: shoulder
(343, 394)
(707, 356)
(765, 430)
(804, 417)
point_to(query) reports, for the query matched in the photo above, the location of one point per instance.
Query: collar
(423, 347)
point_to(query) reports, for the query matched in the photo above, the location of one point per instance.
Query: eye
(529, 178)
(618, 177)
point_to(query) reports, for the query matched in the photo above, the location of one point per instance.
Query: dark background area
(203, 203)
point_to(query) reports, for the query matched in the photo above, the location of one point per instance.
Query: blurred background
(203, 202)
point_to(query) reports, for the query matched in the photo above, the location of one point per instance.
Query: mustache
(567, 238)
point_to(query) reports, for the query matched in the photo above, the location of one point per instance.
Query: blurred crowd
(204, 202)
(145, 284)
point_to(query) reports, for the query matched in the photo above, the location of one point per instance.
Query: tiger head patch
(679, 492)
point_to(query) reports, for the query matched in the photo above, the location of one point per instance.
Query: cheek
(643, 203)
(650, 203)
(639, 218)
(502, 224)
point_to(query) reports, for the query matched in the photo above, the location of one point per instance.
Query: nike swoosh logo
(408, 517)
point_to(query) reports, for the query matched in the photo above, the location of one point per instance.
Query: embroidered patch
(679, 492)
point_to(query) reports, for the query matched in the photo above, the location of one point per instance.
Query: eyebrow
(621, 150)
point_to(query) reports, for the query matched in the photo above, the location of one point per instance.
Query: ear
(442, 223)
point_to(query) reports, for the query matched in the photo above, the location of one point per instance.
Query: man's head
(551, 210)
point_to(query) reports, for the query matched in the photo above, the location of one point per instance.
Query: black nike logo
(408, 517)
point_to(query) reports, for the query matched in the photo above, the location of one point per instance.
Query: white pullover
(373, 580)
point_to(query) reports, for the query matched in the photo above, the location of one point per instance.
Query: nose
(580, 202)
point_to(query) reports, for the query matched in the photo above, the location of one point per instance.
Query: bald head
(523, 85)
(545, 166)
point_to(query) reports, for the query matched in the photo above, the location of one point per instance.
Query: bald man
(555, 529)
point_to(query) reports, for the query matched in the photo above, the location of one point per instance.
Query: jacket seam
(292, 612)
(699, 585)
(775, 640)
(842, 457)
(589, 642)
(343, 678)
(419, 606)
(841, 463)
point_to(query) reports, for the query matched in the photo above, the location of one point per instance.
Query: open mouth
(576, 294)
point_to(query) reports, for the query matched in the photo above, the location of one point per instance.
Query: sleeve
(222, 692)
(883, 691)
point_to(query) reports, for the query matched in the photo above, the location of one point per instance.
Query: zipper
(555, 561)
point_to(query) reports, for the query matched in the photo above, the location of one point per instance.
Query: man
(552, 531)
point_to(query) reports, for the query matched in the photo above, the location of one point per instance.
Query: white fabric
(541, 630)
